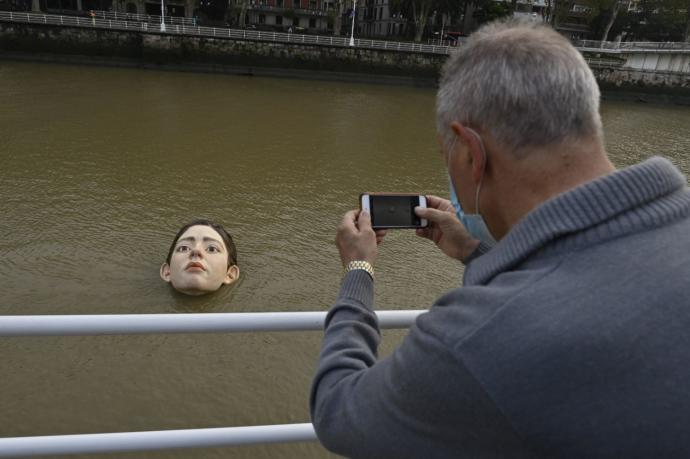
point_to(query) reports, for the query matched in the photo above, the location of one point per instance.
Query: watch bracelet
(360, 265)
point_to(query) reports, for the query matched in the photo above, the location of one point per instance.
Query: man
(571, 334)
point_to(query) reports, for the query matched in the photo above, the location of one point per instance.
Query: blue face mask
(473, 223)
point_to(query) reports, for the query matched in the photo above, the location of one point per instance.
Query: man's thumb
(364, 221)
(433, 215)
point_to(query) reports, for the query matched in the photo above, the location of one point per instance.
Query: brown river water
(100, 166)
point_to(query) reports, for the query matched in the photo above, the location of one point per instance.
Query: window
(279, 3)
(262, 19)
(312, 23)
(279, 20)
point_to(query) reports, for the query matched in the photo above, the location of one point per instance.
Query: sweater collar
(583, 207)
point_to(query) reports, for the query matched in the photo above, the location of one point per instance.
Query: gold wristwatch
(360, 264)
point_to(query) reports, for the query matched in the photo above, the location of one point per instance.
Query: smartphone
(393, 210)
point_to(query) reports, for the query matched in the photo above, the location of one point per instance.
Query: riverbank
(196, 67)
(208, 54)
(193, 53)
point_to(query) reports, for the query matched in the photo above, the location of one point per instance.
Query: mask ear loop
(450, 152)
(481, 179)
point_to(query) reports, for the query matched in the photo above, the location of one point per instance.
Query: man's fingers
(439, 203)
(433, 215)
(349, 221)
(364, 221)
(424, 232)
(434, 201)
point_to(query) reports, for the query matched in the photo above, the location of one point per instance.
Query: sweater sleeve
(481, 249)
(419, 402)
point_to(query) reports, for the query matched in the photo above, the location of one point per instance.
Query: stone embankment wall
(223, 55)
(109, 47)
(644, 81)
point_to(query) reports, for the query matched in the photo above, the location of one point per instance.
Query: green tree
(214, 10)
(420, 12)
(237, 8)
(489, 10)
(615, 7)
(686, 34)
(338, 18)
(646, 20)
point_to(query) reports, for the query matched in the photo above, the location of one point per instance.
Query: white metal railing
(71, 325)
(149, 441)
(603, 62)
(217, 32)
(132, 324)
(185, 26)
(100, 14)
(632, 45)
(150, 18)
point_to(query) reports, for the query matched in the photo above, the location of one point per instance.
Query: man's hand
(445, 230)
(356, 240)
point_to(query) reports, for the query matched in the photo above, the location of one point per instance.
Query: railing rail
(632, 45)
(603, 62)
(132, 324)
(127, 324)
(156, 440)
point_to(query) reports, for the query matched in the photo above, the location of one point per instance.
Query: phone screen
(394, 211)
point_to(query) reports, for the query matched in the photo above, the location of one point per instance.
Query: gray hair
(522, 83)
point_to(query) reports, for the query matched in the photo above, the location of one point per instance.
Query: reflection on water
(100, 167)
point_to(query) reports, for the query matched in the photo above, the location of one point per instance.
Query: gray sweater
(570, 338)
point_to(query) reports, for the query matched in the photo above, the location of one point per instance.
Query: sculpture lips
(194, 266)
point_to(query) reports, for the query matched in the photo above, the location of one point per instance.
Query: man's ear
(478, 159)
(472, 147)
(165, 272)
(232, 275)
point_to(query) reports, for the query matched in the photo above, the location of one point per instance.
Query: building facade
(299, 16)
